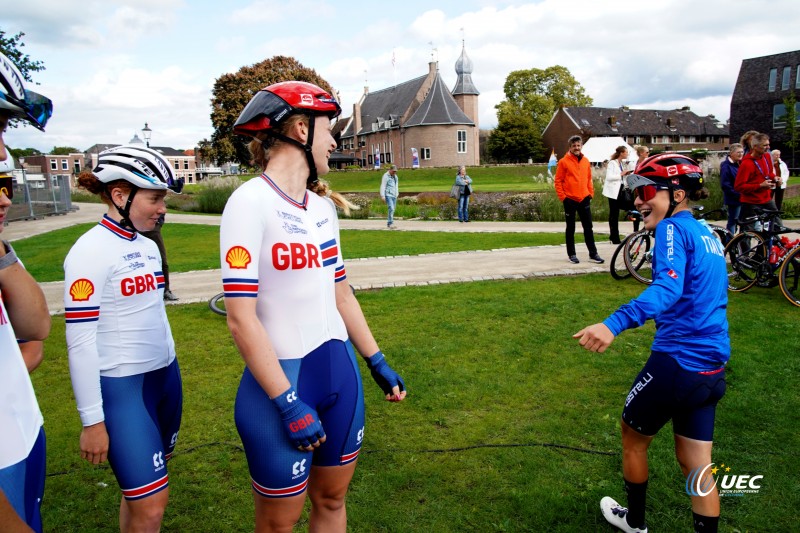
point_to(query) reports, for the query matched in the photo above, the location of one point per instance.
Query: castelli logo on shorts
(81, 290)
(238, 257)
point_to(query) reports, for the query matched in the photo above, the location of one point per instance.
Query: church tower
(465, 93)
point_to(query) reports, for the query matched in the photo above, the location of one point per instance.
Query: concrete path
(371, 273)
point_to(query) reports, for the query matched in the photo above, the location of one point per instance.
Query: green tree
(63, 150)
(515, 139)
(11, 48)
(792, 131)
(540, 93)
(16, 153)
(232, 92)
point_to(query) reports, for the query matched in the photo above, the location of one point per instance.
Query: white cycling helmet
(20, 102)
(141, 167)
(7, 165)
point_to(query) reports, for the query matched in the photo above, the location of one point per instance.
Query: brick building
(757, 102)
(675, 129)
(420, 115)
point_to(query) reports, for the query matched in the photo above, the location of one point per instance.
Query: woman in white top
(613, 189)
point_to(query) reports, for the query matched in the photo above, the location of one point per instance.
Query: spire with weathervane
(465, 93)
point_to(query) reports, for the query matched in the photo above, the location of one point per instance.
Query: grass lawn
(508, 426)
(196, 246)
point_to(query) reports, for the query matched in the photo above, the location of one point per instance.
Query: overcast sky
(112, 65)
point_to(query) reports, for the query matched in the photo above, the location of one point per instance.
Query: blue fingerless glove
(300, 421)
(382, 373)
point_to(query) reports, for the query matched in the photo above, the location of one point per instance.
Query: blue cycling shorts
(329, 381)
(23, 484)
(663, 391)
(143, 416)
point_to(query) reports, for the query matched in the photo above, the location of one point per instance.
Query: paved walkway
(371, 273)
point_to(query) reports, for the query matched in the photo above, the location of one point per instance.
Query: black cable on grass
(434, 450)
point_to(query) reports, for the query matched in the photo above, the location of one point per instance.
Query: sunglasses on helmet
(648, 192)
(7, 186)
(38, 109)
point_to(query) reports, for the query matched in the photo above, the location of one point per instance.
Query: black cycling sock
(637, 496)
(705, 524)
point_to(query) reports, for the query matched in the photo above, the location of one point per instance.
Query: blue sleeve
(669, 269)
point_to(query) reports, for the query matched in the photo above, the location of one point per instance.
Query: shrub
(213, 197)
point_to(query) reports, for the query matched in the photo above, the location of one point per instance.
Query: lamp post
(146, 133)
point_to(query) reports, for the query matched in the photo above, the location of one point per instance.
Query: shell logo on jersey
(81, 290)
(238, 257)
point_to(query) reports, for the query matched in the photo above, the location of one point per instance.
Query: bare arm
(10, 521)
(254, 345)
(24, 301)
(32, 353)
(354, 320)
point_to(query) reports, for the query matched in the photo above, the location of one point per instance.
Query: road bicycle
(618, 268)
(217, 304)
(765, 257)
(636, 249)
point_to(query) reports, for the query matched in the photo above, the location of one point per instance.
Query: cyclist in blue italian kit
(684, 377)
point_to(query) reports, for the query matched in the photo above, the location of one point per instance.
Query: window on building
(773, 78)
(185, 164)
(53, 164)
(64, 164)
(787, 72)
(76, 169)
(461, 144)
(369, 159)
(176, 164)
(426, 153)
(797, 78)
(779, 116)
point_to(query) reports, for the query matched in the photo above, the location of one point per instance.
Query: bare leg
(143, 515)
(277, 515)
(693, 454)
(327, 490)
(634, 454)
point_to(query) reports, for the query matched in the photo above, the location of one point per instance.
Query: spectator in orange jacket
(574, 187)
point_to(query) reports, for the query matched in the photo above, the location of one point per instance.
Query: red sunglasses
(7, 186)
(648, 192)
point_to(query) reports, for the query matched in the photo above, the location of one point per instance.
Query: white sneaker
(615, 515)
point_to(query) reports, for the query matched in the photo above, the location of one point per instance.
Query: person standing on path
(389, 193)
(727, 177)
(464, 183)
(574, 187)
(614, 189)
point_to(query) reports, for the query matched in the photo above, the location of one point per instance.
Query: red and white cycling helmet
(273, 104)
(671, 170)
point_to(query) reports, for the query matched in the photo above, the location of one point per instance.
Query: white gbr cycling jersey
(286, 254)
(114, 308)
(20, 417)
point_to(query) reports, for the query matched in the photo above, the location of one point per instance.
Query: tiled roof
(632, 122)
(389, 103)
(438, 108)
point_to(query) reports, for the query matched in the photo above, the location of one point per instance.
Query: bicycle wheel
(637, 256)
(789, 276)
(618, 268)
(744, 256)
(217, 304)
(722, 234)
